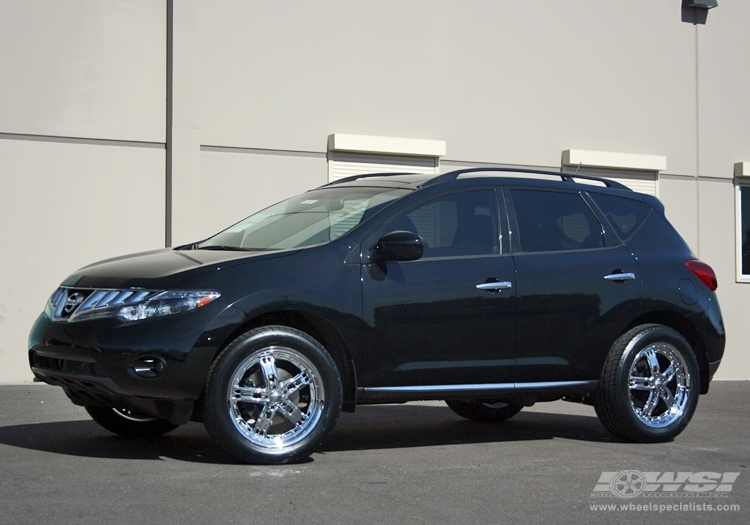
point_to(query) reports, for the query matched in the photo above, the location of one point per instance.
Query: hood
(160, 269)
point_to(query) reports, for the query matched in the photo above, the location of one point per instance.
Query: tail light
(704, 272)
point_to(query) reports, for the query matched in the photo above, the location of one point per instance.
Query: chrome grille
(70, 304)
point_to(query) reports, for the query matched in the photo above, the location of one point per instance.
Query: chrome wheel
(273, 395)
(659, 383)
(649, 385)
(276, 397)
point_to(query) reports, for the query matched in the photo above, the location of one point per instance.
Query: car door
(576, 287)
(446, 318)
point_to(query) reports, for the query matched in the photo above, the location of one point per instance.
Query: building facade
(132, 125)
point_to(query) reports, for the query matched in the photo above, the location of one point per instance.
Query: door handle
(498, 285)
(626, 276)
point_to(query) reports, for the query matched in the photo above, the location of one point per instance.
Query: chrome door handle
(501, 285)
(620, 276)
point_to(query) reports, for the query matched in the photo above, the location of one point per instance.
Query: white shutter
(641, 184)
(345, 164)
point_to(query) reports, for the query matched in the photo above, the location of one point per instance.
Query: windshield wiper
(221, 247)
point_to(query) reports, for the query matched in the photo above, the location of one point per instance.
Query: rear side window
(626, 215)
(551, 221)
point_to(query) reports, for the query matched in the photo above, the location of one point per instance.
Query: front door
(447, 318)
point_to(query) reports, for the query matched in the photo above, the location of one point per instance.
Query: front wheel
(129, 424)
(649, 386)
(483, 411)
(273, 396)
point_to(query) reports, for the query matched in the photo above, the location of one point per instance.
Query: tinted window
(624, 214)
(745, 229)
(550, 221)
(455, 225)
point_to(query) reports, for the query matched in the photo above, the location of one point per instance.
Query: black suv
(490, 289)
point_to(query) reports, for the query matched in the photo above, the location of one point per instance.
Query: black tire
(273, 396)
(129, 424)
(484, 411)
(649, 385)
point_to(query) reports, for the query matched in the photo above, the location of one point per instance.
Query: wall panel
(63, 206)
(84, 68)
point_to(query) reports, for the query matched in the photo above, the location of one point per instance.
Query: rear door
(576, 286)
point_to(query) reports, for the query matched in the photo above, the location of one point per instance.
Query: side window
(550, 221)
(626, 215)
(743, 273)
(455, 225)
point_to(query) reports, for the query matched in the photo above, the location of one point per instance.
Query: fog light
(149, 367)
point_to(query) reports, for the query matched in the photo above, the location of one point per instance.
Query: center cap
(275, 396)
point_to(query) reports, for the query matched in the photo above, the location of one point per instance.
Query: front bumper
(95, 362)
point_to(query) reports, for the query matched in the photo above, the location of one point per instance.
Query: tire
(483, 411)
(129, 424)
(273, 396)
(649, 385)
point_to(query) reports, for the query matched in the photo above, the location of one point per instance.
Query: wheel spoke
(264, 421)
(270, 374)
(640, 383)
(291, 412)
(670, 372)
(650, 405)
(244, 394)
(667, 396)
(653, 361)
(293, 384)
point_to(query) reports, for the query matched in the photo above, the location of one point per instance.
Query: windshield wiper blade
(221, 247)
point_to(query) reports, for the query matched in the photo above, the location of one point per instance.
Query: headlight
(166, 303)
(132, 304)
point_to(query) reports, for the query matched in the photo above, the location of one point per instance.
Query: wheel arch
(319, 329)
(685, 328)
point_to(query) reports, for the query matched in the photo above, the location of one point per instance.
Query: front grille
(70, 304)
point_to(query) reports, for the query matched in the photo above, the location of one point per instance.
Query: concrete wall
(127, 125)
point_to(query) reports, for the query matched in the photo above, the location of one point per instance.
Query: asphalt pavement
(416, 463)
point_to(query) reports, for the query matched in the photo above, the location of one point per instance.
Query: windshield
(314, 217)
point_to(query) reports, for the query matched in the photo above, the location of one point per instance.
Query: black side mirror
(397, 246)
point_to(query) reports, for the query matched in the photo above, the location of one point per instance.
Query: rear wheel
(273, 396)
(483, 410)
(129, 424)
(649, 386)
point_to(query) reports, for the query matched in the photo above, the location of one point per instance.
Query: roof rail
(564, 176)
(362, 176)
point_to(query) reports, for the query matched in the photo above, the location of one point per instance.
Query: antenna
(578, 167)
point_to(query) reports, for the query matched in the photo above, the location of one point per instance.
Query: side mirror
(397, 246)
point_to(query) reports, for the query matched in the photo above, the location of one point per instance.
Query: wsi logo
(632, 483)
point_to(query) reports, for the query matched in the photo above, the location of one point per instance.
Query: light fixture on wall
(703, 4)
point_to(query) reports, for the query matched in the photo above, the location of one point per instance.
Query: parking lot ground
(413, 463)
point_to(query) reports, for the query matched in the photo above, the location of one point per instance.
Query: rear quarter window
(626, 215)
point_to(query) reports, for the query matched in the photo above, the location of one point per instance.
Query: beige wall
(82, 158)
(99, 157)
(65, 205)
(83, 68)
(230, 182)
(511, 82)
